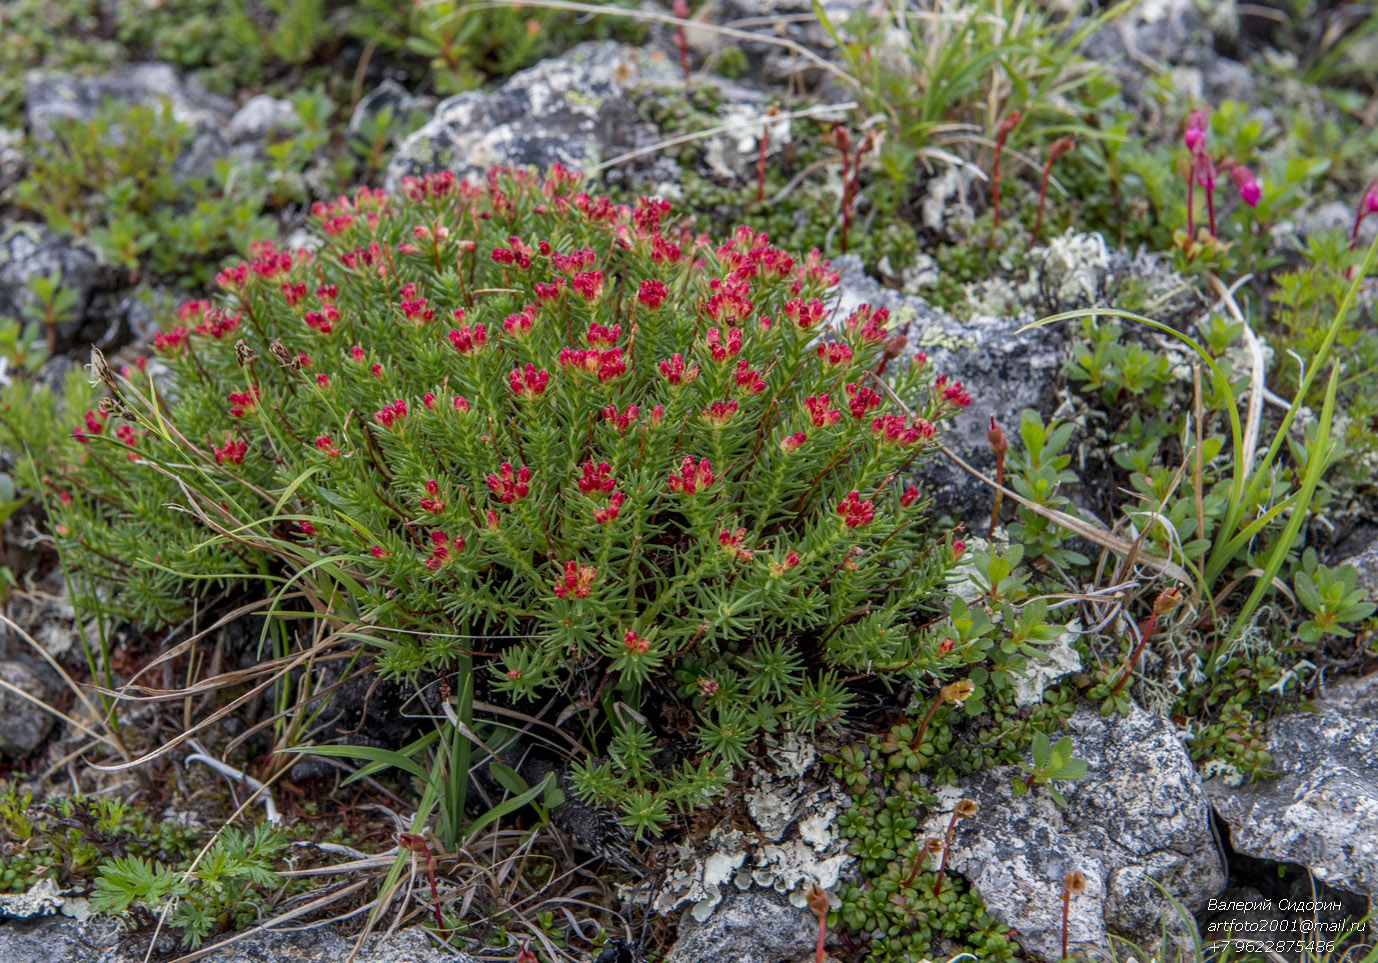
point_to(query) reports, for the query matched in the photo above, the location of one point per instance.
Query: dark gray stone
(756, 926)
(1323, 810)
(1140, 813)
(23, 726)
(28, 251)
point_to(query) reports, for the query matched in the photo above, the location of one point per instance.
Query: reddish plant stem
(417, 845)
(999, 445)
(923, 726)
(1066, 909)
(1191, 203)
(1006, 125)
(1210, 208)
(681, 10)
(1059, 148)
(947, 848)
(1165, 602)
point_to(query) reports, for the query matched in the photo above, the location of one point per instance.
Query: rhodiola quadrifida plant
(551, 443)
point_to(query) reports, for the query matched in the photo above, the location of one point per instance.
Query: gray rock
(61, 940)
(1004, 372)
(1365, 563)
(23, 726)
(572, 109)
(12, 162)
(1140, 813)
(1323, 810)
(1337, 216)
(28, 251)
(260, 118)
(51, 95)
(756, 926)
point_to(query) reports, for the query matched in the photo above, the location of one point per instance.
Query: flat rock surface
(1322, 812)
(1139, 814)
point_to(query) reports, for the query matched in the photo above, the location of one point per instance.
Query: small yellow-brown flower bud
(1074, 883)
(956, 693)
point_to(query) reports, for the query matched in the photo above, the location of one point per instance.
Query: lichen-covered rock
(50, 95)
(572, 109)
(791, 844)
(23, 726)
(1323, 810)
(1003, 370)
(756, 926)
(1139, 814)
(1365, 562)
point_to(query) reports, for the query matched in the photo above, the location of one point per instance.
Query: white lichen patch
(1055, 660)
(43, 898)
(794, 843)
(1072, 264)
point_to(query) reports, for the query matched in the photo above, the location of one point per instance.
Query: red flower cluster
(242, 401)
(861, 399)
(749, 379)
(868, 322)
(577, 581)
(722, 350)
(529, 383)
(719, 413)
(468, 339)
(792, 442)
(596, 478)
(635, 643)
(691, 478)
(891, 428)
(429, 502)
(573, 263)
(232, 452)
(389, 415)
(323, 443)
(675, 371)
(819, 413)
(167, 340)
(440, 549)
(588, 284)
(600, 336)
(606, 364)
(652, 293)
(518, 254)
(855, 510)
(732, 540)
(805, 315)
(604, 515)
(621, 420)
(952, 392)
(834, 353)
(510, 486)
(519, 324)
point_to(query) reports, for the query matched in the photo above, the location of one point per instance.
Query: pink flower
(792, 442)
(588, 284)
(378, 551)
(834, 353)
(604, 515)
(623, 420)
(231, 452)
(324, 444)
(1249, 191)
(958, 547)
(1195, 135)
(748, 379)
(861, 399)
(722, 349)
(819, 413)
(911, 495)
(307, 528)
(467, 340)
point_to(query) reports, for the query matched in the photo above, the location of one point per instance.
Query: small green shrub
(624, 463)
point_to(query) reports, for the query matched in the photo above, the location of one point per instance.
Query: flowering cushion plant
(564, 438)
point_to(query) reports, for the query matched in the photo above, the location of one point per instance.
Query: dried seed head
(114, 408)
(285, 358)
(100, 371)
(966, 808)
(1167, 600)
(817, 898)
(933, 846)
(243, 353)
(956, 693)
(1074, 883)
